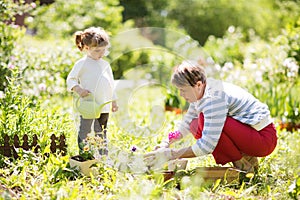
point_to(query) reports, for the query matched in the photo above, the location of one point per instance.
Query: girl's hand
(80, 91)
(114, 106)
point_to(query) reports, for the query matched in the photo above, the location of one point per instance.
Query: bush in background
(9, 36)
(62, 18)
(268, 69)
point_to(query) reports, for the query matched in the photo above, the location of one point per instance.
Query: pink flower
(174, 135)
(33, 5)
(10, 66)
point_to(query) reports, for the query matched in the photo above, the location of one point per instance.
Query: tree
(63, 18)
(204, 18)
(145, 13)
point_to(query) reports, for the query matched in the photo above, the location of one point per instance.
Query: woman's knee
(270, 148)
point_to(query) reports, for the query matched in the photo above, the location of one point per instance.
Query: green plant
(172, 100)
(269, 70)
(62, 19)
(294, 189)
(90, 147)
(10, 35)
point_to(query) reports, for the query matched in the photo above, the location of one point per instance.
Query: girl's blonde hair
(92, 37)
(188, 74)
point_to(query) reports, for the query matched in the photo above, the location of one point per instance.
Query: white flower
(292, 66)
(42, 87)
(2, 95)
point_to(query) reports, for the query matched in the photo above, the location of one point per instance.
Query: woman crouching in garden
(225, 120)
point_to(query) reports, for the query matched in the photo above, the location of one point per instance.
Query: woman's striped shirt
(220, 100)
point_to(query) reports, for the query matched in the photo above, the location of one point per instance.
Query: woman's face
(96, 52)
(192, 94)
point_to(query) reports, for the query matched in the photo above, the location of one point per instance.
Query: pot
(85, 167)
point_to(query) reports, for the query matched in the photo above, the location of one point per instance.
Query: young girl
(91, 75)
(225, 119)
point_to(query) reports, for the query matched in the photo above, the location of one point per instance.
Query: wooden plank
(211, 173)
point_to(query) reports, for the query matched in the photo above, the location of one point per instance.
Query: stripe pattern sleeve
(184, 125)
(215, 110)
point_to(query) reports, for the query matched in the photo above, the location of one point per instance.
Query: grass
(34, 176)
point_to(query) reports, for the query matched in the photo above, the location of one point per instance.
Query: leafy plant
(294, 189)
(172, 100)
(10, 34)
(62, 19)
(90, 147)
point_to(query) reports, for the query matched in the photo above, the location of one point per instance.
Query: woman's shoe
(253, 161)
(243, 165)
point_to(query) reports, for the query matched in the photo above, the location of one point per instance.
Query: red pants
(238, 139)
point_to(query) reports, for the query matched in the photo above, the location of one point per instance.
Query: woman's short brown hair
(188, 74)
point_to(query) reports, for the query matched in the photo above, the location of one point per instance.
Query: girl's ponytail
(78, 40)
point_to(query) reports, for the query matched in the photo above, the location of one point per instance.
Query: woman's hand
(157, 158)
(163, 144)
(172, 137)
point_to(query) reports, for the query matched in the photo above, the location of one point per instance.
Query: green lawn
(36, 177)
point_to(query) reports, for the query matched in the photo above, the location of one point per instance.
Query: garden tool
(88, 107)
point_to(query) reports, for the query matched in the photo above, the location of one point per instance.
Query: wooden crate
(211, 174)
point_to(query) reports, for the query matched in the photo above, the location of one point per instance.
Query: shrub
(9, 36)
(62, 18)
(269, 70)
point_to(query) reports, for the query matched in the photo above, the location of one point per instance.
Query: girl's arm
(73, 81)
(73, 77)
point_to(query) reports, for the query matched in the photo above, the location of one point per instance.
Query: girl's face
(95, 52)
(192, 94)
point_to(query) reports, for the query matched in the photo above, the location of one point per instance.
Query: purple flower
(133, 149)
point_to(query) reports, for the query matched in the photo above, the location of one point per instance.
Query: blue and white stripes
(220, 100)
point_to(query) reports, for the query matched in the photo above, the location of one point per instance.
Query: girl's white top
(95, 76)
(220, 100)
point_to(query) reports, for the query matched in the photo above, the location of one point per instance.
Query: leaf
(250, 175)
(217, 183)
